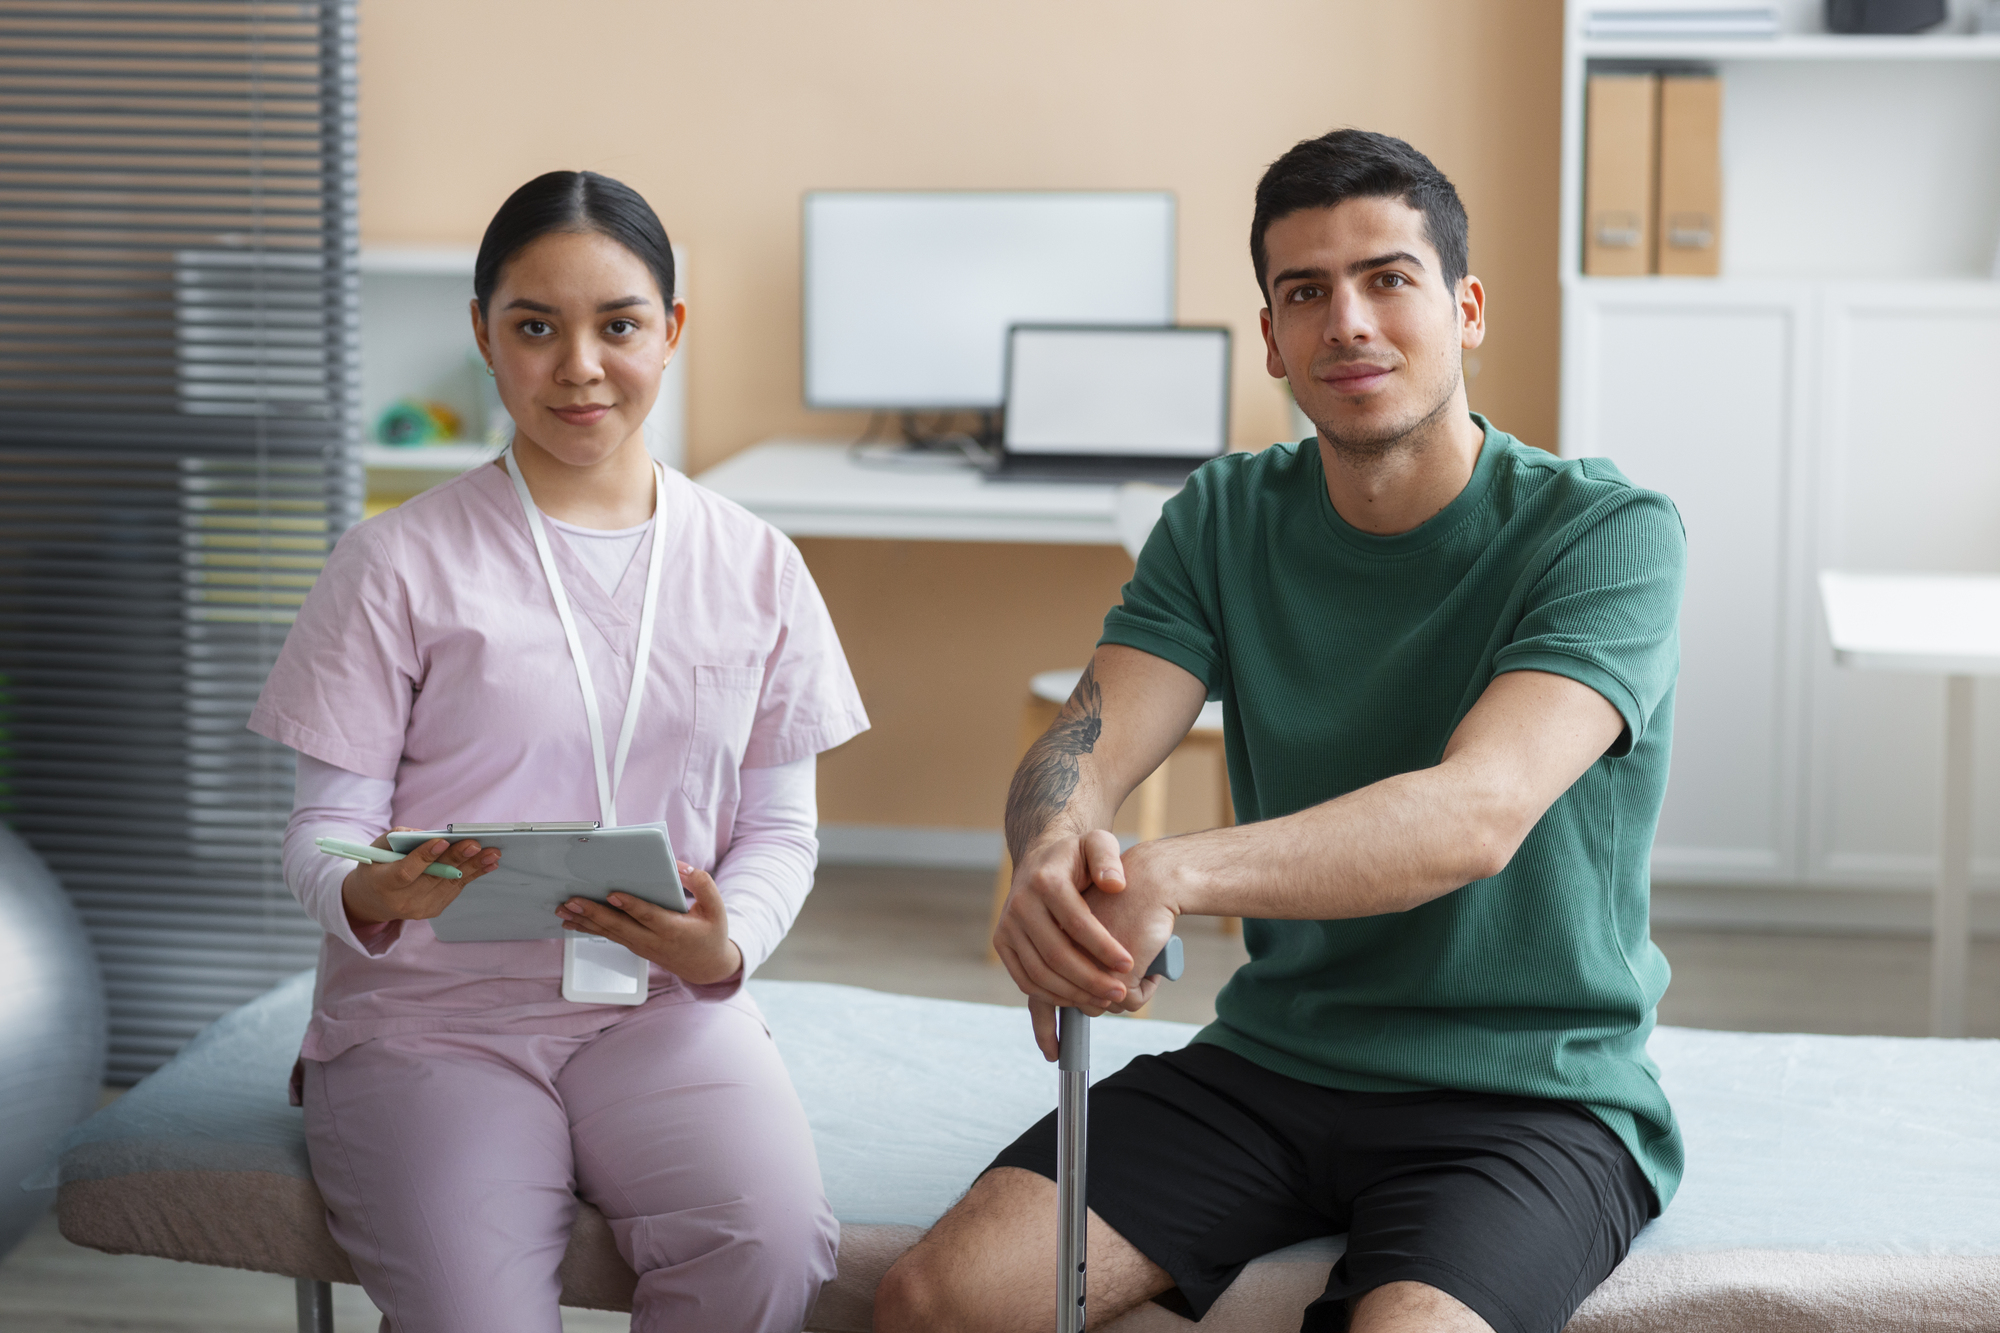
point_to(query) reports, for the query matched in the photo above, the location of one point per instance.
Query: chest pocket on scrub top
(725, 704)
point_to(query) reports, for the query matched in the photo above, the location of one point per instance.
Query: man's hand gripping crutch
(1064, 1033)
(1079, 934)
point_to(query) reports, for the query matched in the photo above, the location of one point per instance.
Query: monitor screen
(908, 296)
(1107, 391)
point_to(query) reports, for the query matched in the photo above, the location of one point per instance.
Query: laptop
(1113, 403)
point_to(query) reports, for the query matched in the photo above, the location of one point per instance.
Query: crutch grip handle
(1171, 962)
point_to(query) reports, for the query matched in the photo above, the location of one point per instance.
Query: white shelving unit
(453, 458)
(1821, 405)
(1941, 45)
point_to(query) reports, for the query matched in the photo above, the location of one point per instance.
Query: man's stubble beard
(1367, 452)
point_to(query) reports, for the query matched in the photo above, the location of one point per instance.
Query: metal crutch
(1072, 1126)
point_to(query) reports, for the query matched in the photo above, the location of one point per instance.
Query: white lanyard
(608, 776)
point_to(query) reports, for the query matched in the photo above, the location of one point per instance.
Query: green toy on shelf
(416, 421)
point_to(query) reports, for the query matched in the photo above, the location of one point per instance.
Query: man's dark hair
(573, 201)
(1358, 164)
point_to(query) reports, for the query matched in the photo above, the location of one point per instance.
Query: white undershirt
(605, 552)
(764, 877)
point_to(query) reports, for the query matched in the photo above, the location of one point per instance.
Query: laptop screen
(1118, 392)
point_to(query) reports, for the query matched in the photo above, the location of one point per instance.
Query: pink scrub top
(429, 652)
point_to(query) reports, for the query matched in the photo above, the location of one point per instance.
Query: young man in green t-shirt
(1446, 662)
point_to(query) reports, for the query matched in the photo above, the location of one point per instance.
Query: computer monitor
(1110, 393)
(908, 296)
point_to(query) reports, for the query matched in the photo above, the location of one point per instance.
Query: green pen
(355, 851)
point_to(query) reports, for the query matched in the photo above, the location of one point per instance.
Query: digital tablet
(543, 866)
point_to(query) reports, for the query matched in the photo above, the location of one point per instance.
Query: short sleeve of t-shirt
(1606, 611)
(1165, 609)
(808, 701)
(343, 683)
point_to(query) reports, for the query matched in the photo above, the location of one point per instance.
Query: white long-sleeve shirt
(764, 875)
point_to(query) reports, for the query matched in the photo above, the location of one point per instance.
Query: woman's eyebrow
(622, 303)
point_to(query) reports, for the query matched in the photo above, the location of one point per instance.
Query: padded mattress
(1841, 1183)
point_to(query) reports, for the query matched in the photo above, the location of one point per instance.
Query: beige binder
(1621, 137)
(1689, 231)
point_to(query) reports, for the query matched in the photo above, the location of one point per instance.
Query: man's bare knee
(1413, 1307)
(937, 1283)
(989, 1265)
(913, 1294)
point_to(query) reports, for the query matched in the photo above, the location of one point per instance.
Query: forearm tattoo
(1049, 772)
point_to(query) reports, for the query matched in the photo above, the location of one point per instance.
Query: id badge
(601, 971)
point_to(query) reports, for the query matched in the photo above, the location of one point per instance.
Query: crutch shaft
(1072, 1141)
(1072, 1128)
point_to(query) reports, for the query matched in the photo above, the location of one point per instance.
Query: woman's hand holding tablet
(693, 945)
(376, 892)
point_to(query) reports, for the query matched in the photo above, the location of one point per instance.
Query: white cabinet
(1826, 403)
(1800, 426)
(1700, 399)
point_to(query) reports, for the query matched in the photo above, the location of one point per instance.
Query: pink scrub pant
(451, 1164)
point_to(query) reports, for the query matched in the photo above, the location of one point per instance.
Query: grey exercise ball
(51, 1029)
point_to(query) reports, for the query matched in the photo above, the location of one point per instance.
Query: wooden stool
(1047, 693)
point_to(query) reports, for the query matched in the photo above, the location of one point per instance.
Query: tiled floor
(923, 932)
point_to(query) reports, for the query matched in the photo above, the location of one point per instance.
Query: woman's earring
(489, 367)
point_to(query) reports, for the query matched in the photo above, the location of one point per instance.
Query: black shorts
(1202, 1160)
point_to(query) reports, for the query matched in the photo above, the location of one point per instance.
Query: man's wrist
(1158, 869)
(1058, 841)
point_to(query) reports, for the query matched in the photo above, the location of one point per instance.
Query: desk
(809, 488)
(814, 489)
(1948, 625)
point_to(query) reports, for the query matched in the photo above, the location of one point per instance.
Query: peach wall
(723, 113)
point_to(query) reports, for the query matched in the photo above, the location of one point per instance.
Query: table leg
(1951, 935)
(315, 1302)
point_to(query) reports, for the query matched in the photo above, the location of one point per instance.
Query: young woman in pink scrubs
(456, 1104)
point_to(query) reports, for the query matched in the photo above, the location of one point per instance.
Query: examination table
(1837, 1184)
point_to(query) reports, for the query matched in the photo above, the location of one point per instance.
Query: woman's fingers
(705, 910)
(609, 922)
(694, 945)
(700, 886)
(412, 865)
(659, 920)
(382, 839)
(461, 852)
(646, 915)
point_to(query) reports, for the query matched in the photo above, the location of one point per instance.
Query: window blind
(178, 449)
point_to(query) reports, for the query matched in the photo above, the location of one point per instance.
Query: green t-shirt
(1343, 658)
